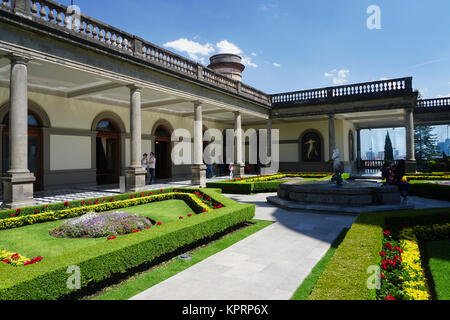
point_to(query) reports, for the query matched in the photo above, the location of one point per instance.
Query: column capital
(18, 58)
(134, 87)
(197, 103)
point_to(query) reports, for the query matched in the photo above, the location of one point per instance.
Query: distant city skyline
(374, 139)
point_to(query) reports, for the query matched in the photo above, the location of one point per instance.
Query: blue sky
(298, 44)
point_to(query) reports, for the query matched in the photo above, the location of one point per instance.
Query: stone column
(18, 181)
(331, 136)
(198, 167)
(238, 168)
(135, 174)
(269, 137)
(358, 148)
(410, 147)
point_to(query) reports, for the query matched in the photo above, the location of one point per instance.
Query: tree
(426, 143)
(388, 151)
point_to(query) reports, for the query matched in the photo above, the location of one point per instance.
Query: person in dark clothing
(403, 186)
(385, 171)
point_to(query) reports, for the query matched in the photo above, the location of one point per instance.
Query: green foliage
(388, 150)
(439, 264)
(47, 280)
(426, 143)
(430, 190)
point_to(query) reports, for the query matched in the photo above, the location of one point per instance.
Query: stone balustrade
(441, 103)
(58, 16)
(374, 89)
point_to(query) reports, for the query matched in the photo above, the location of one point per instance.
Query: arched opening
(108, 152)
(311, 147)
(35, 163)
(163, 151)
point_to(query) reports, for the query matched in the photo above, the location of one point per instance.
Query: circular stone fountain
(338, 195)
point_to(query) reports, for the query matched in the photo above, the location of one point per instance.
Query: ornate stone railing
(441, 103)
(385, 88)
(58, 16)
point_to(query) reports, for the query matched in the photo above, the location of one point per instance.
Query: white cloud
(200, 52)
(225, 46)
(339, 76)
(443, 96)
(194, 49)
(246, 61)
(254, 54)
(277, 65)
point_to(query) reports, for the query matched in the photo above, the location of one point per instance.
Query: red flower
(6, 261)
(389, 297)
(82, 202)
(137, 230)
(89, 202)
(382, 254)
(66, 204)
(13, 215)
(387, 233)
(15, 256)
(142, 194)
(382, 276)
(204, 210)
(18, 211)
(180, 218)
(398, 249)
(36, 211)
(149, 227)
(159, 224)
(189, 215)
(111, 238)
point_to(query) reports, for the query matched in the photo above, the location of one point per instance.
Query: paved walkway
(268, 265)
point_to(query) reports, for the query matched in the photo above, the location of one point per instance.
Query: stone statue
(337, 177)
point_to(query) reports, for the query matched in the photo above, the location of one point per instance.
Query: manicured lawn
(166, 270)
(34, 240)
(439, 264)
(164, 211)
(308, 284)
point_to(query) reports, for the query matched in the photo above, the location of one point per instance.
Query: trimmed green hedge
(47, 279)
(430, 190)
(345, 277)
(229, 186)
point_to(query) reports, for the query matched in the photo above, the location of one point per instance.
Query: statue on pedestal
(337, 177)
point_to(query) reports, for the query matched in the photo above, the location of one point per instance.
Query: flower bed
(97, 225)
(406, 280)
(265, 183)
(17, 260)
(346, 275)
(103, 259)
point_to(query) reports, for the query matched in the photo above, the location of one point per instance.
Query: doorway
(163, 153)
(108, 153)
(34, 148)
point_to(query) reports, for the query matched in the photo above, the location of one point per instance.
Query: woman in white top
(152, 166)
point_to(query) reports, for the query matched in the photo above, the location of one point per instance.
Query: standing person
(152, 167)
(144, 164)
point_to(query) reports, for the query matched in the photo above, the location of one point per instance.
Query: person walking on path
(403, 184)
(144, 164)
(152, 167)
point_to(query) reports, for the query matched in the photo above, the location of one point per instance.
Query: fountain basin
(348, 194)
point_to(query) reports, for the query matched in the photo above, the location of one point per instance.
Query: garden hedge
(243, 187)
(345, 277)
(47, 279)
(430, 190)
